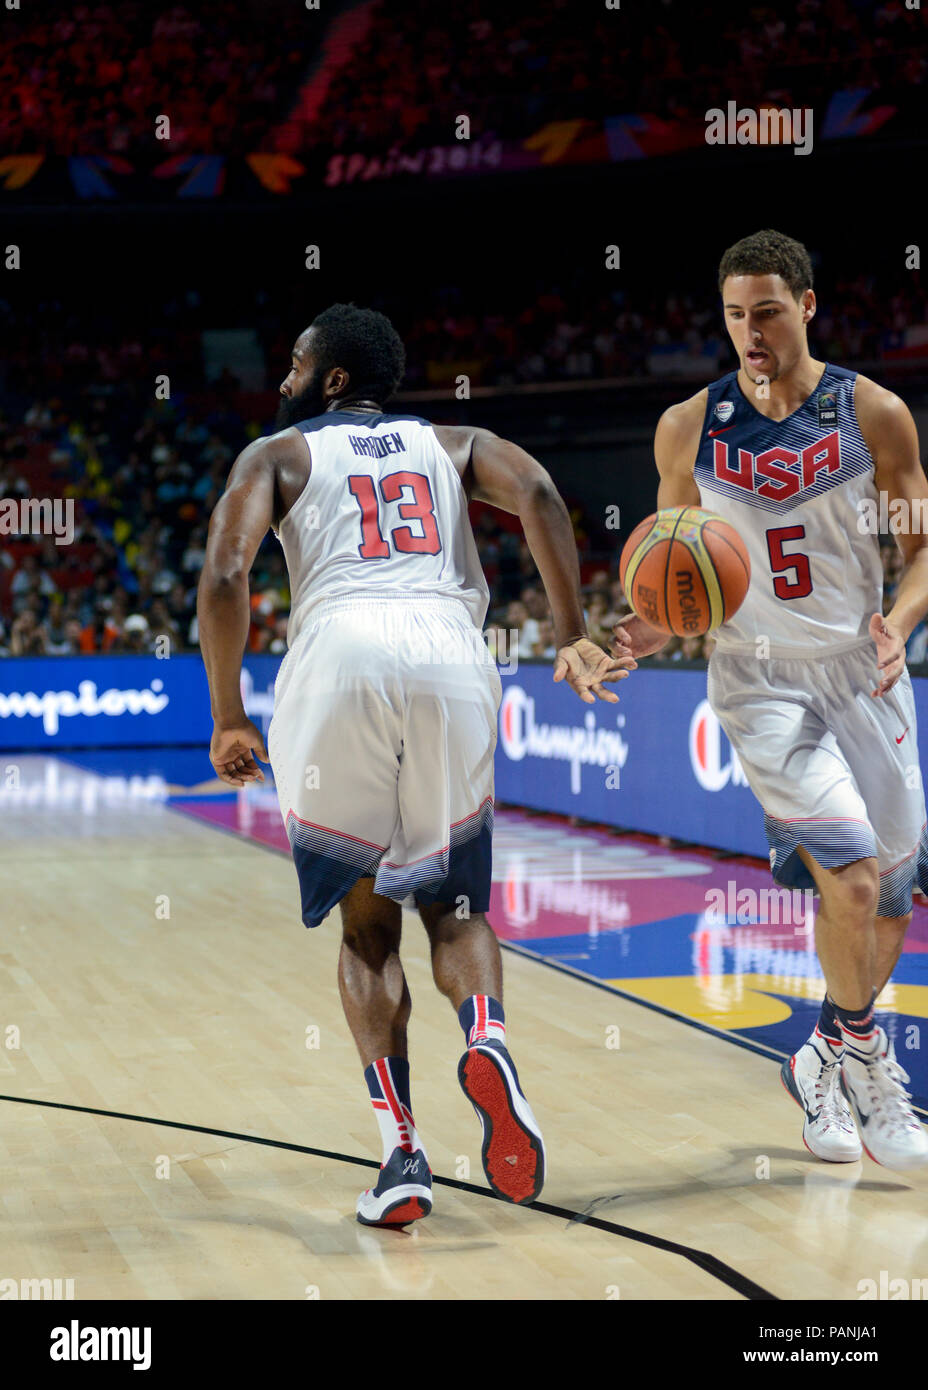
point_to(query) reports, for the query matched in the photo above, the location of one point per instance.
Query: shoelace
(888, 1097)
(833, 1108)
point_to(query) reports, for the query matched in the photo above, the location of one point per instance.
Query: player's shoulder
(272, 450)
(683, 416)
(880, 412)
(877, 401)
(458, 442)
(676, 439)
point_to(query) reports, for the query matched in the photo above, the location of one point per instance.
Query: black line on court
(709, 1263)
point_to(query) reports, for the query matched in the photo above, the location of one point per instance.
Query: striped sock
(858, 1027)
(388, 1083)
(828, 1028)
(482, 1019)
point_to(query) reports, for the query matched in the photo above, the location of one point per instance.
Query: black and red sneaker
(403, 1192)
(513, 1152)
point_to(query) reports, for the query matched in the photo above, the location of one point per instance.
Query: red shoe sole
(510, 1152)
(402, 1214)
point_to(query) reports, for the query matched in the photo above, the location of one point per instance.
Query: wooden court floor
(183, 1114)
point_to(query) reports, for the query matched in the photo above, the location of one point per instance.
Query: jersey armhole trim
(297, 500)
(443, 452)
(858, 424)
(702, 433)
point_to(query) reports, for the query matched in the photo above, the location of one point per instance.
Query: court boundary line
(709, 1264)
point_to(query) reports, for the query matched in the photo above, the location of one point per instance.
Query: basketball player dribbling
(385, 707)
(808, 678)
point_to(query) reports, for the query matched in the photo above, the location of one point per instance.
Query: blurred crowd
(92, 79)
(496, 335)
(512, 72)
(143, 483)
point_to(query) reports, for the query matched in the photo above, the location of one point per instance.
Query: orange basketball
(684, 570)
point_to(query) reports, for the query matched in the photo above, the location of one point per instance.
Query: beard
(308, 403)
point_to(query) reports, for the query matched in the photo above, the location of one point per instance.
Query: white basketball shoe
(874, 1083)
(813, 1078)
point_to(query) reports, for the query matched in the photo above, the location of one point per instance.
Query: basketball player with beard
(808, 679)
(385, 709)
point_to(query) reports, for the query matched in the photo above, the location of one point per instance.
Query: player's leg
(467, 968)
(466, 960)
(371, 982)
(377, 1005)
(881, 762)
(335, 742)
(845, 931)
(890, 938)
(830, 938)
(794, 768)
(442, 852)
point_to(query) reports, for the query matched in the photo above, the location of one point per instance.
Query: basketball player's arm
(676, 442)
(237, 527)
(505, 476)
(890, 434)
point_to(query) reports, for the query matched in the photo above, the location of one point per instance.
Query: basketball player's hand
(586, 668)
(233, 752)
(632, 636)
(890, 652)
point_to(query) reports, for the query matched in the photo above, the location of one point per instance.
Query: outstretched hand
(587, 669)
(632, 636)
(233, 754)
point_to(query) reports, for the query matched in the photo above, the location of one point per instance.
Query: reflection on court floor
(705, 937)
(159, 985)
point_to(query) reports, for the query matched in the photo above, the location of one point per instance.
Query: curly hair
(365, 343)
(769, 253)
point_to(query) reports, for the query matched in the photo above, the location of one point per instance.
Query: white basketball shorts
(835, 770)
(382, 746)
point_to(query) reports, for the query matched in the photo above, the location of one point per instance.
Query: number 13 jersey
(793, 490)
(384, 510)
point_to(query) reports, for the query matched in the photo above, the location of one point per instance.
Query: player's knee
(855, 892)
(374, 942)
(449, 919)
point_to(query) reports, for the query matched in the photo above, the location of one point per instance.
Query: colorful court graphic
(702, 936)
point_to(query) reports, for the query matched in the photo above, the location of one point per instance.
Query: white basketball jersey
(793, 490)
(384, 510)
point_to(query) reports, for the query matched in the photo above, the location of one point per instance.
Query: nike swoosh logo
(903, 734)
(713, 433)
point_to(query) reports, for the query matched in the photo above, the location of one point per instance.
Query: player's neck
(784, 395)
(362, 406)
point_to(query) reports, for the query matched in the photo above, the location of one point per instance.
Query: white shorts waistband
(781, 653)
